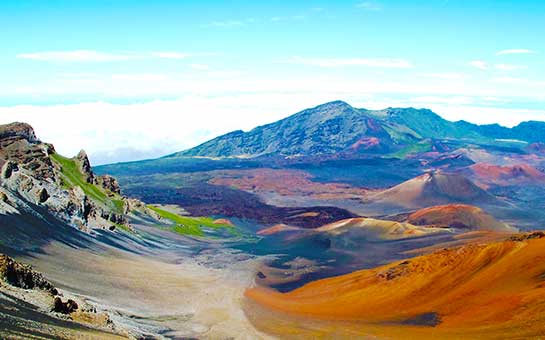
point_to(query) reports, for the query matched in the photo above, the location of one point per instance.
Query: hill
(458, 216)
(433, 188)
(473, 291)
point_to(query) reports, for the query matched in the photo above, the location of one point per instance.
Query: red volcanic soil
(275, 229)
(365, 143)
(223, 221)
(537, 147)
(285, 183)
(430, 189)
(459, 216)
(494, 290)
(502, 175)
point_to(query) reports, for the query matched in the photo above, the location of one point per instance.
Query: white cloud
(529, 83)
(443, 76)
(451, 100)
(509, 67)
(199, 66)
(487, 114)
(139, 77)
(230, 23)
(171, 55)
(75, 56)
(515, 51)
(481, 65)
(341, 62)
(90, 56)
(369, 6)
(120, 132)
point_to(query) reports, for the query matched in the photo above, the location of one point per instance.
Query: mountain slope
(476, 290)
(338, 127)
(328, 128)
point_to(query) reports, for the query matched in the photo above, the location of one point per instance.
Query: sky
(130, 79)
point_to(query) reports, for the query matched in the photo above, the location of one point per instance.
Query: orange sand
(499, 287)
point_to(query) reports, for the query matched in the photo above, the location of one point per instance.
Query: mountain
(433, 188)
(337, 127)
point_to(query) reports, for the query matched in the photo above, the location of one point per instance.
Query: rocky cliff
(35, 179)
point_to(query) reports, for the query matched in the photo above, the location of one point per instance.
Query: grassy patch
(423, 146)
(185, 225)
(119, 204)
(73, 177)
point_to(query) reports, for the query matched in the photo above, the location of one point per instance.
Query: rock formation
(33, 174)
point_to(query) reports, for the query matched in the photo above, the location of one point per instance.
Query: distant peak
(334, 104)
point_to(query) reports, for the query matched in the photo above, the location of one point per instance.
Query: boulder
(8, 169)
(62, 307)
(42, 195)
(3, 197)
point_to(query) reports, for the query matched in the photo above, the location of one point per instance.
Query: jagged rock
(132, 204)
(85, 166)
(8, 168)
(17, 131)
(43, 195)
(67, 307)
(23, 276)
(3, 197)
(109, 183)
(527, 236)
(31, 174)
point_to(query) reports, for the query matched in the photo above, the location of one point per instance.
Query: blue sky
(207, 67)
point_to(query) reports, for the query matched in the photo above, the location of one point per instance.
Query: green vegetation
(73, 177)
(118, 203)
(423, 146)
(191, 226)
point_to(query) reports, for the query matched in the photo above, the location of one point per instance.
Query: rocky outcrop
(32, 174)
(109, 183)
(68, 307)
(22, 276)
(15, 131)
(85, 166)
(19, 282)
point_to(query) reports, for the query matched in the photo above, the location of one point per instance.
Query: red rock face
(284, 182)
(365, 143)
(537, 147)
(458, 216)
(503, 174)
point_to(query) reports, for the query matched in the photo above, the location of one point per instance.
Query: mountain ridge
(337, 127)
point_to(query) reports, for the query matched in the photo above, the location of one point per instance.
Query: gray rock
(8, 169)
(43, 195)
(85, 166)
